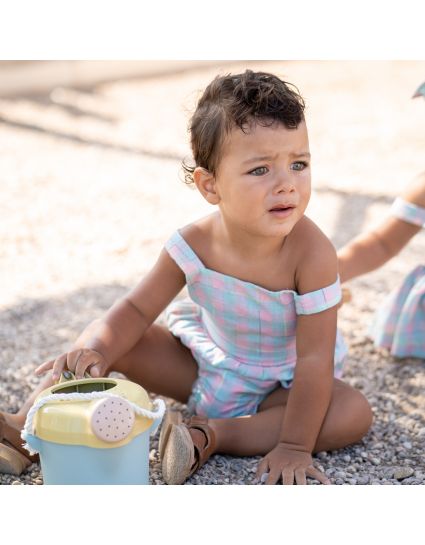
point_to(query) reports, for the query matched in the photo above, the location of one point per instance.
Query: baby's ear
(206, 184)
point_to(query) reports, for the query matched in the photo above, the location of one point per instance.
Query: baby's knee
(361, 414)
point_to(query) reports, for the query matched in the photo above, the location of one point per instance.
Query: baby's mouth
(282, 208)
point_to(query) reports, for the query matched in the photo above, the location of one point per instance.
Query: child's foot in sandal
(188, 448)
(170, 418)
(11, 460)
(11, 436)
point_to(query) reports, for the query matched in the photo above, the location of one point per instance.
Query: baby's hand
(291, 465)
(77, 361)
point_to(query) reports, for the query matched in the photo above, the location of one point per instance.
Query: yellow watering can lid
(99, 413)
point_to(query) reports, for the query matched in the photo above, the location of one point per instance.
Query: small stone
(375, 461)
(364, 479)
(152, 455)
(322, 455)
(38, 481)
(403, 472)
(16, 482)
(346, 458)
(340, 475)
(407, 444)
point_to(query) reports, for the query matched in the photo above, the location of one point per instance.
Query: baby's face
(263, 179)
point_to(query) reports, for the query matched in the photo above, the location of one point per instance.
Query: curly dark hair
(239, 100)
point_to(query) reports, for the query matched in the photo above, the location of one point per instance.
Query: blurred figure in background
(399, 324)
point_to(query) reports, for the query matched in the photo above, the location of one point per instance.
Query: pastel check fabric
(241, 335)
(399, 324)
(408, 211)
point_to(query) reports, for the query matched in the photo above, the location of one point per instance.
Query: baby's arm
(310, 394)
(370, 250)
(125, 322)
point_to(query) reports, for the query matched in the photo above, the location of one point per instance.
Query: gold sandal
(183, 454)
(171, 417)
(11, 460)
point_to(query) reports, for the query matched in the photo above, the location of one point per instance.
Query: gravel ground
(91, 190)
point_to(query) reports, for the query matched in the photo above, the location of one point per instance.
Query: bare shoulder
(316, 259)
(199, 234)
(415, 192)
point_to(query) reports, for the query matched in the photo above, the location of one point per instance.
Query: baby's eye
(259, 171)
(299, 165)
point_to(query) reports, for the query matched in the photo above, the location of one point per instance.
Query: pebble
(403, 472)
(322, 455)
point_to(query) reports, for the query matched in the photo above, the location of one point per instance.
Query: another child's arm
(370, 250)
(310, 394)
(124, 323)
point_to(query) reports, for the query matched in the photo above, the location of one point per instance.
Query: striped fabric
(399, 324)
(241, 335)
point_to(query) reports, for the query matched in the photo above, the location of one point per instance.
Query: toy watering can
(93, 431)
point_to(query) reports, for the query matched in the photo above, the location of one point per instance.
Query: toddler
(253, 350)
(399, 324)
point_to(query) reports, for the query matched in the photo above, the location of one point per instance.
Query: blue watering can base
(76, 464)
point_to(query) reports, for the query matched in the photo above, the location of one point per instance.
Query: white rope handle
(157, 413)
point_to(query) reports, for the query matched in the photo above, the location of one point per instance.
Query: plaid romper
(399, 324)
(241, 335)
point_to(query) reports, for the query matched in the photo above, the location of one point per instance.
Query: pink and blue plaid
(241, 335)
(408, 211)
(399, 324)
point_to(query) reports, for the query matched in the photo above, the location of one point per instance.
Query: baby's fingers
(288, 475)
(273, 476)
(86, 360)
(318, 475)
(300, 477)
(44, 367)
(58, 366)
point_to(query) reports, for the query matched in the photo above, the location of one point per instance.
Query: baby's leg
(161, 364)
(347, 420)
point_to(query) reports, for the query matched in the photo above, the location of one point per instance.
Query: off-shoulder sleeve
(408, 211)
(319, 300)
(184, 256)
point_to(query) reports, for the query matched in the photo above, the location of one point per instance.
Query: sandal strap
(202, 453)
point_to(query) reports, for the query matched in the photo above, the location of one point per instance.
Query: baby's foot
(187, 449)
